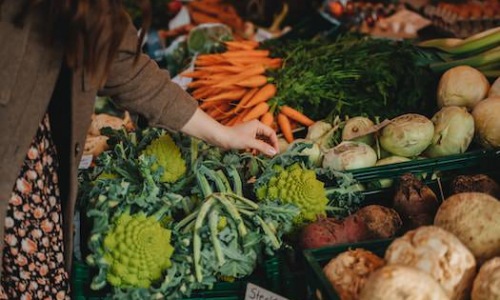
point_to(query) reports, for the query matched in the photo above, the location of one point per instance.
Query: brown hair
(80, 25)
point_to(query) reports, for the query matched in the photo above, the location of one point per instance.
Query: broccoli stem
(186, 220)
(204, 209)
(221, 187)
(246, 201)
(206, 190)
(224, 180)
(233, 212)
(274, 240)
(194, 151)
(213, 220)
(237, 184)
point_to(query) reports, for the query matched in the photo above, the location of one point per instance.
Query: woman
(55, 57)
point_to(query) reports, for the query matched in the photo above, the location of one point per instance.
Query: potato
(382, 222)
(487, 283)
(396, 282)
(475, 219)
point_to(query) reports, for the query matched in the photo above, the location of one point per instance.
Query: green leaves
(353, 76)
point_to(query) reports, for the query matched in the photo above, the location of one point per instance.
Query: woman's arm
(141, 86)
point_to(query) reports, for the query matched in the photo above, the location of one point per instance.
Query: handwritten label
(85, 162)
(255, 292)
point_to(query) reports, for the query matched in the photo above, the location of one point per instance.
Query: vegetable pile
(172, 215)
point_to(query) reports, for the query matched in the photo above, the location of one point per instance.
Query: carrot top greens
(353, 76)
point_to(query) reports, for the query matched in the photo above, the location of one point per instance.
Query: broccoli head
(168, 156)
(137, 250)
(298, 186)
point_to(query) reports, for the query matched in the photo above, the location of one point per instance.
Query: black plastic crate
(316, 259)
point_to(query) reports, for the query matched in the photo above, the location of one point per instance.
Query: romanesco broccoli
(138, 250)
(297, 186)
(168, 156)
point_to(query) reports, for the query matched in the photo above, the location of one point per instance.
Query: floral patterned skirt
(33, 255)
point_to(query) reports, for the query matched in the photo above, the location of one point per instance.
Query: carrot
(265, 93)
(223, 68)
(200, 18)
(296, 115)
(246, 53)
(285, 127)
(254, 81)
(227, 96)
(238, 61)
(206, 105)
(194, 74)
(206, 92)
(242, 45)
(199, 83)
(258, 70)
(256, 112)
(267, 118)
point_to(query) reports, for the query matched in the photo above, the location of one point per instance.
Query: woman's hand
(253, 134)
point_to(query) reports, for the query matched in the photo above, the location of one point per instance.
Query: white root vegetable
(487, 282)
(396, 282)
(438, 253)
(453, 132)
(487, 122)
(475, 219)
(349, 271)
(349, 156)
(462, 86)
(407, 135)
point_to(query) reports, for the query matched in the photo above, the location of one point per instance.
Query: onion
(407, 135)
(462, 86)
(487, 122)
(350, 156)
(453, 131)
(354, 129)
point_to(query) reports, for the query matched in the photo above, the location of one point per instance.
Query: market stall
(387, 179)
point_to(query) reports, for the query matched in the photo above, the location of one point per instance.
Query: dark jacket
(29, 69)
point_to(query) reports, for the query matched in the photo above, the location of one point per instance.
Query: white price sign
(85, 162)
(255, 292)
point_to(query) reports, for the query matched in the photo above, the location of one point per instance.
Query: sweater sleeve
(142, 87)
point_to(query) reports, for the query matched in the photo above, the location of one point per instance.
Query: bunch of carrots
(233, 87)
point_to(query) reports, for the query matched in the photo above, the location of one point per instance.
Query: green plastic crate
(268, 276)
(477, 159)
(316, 259)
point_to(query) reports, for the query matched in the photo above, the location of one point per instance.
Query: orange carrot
(242, 45)
(296, 115)
(285, 127)
(227, 96)
(257, 70)
(246, 53)
(256, 112)
(265, 93)
(223, 68)
(194, 74)
(238, 61)
(254, 81)
(267, 118)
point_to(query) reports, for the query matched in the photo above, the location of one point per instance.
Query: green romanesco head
(297, 186)
(138, 250)
(168, 156)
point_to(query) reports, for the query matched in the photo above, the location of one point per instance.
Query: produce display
(167, 216)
